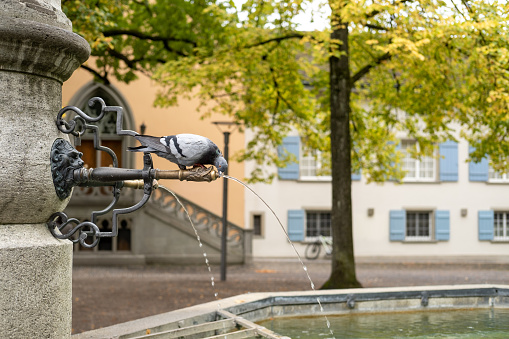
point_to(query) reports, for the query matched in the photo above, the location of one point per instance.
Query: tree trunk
(343, 262)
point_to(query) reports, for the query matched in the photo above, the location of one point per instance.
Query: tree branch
(143, 36)
(378, 28)
(145, 4)
(130, 63)
(169, 49)
(104, 78)
(365, 70)
(277, 39)
(373, 13)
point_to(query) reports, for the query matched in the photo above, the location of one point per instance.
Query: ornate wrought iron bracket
(68, 171)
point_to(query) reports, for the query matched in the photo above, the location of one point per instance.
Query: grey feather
(183, 149)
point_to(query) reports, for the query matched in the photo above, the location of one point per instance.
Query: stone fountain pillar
(38, 52)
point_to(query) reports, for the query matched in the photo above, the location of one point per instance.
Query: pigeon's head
(221, 164)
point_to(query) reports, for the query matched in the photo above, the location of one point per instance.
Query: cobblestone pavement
(104, 296)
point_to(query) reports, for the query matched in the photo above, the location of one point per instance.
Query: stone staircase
(160, 232)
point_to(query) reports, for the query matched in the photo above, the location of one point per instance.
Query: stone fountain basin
(243, 310)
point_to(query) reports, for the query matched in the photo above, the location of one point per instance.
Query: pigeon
(183, 150)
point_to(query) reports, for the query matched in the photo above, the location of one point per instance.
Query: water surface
(473, 323)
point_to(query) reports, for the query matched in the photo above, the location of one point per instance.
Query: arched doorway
(107, 127)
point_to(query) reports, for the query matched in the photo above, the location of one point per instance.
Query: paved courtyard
(104, 296)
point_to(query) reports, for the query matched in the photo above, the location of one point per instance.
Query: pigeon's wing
(188, 148)
(156, 145)
(182, 149)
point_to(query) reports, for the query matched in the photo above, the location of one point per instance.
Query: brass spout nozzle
(195, 174)
(139, 184)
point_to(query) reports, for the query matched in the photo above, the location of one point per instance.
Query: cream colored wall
(371, 234)
(282, 196)
(183, 118)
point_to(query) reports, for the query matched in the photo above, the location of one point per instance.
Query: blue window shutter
(448, 161)
(442, 225)
(291, 171)
(296, 225)
(478, 171)
(397, 225)
(356, 176)
(486, 225)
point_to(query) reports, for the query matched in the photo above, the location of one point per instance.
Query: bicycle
(313, 249)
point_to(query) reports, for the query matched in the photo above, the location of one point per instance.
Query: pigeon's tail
(148, 144)
(146, 138)
(141, 149)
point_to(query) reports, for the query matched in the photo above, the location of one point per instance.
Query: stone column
(38, 52)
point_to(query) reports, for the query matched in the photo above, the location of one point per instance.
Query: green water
(478, 323)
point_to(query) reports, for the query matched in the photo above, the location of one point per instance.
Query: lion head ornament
(64, 160)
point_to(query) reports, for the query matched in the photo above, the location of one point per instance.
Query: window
(313, 166)
(418, 226)
(482, 171)
(494, 176)
(257, 224)
(422, 169)
(310, 166)
(500, 226)
(493, 225)
(318, 223)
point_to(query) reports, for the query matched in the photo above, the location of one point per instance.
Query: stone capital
(40, 49)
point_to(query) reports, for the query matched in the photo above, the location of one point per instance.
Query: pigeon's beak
(222, 169)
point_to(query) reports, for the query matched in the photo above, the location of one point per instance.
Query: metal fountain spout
(107, 176)
(68, 171)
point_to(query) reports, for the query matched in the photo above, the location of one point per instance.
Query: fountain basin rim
(252, 306)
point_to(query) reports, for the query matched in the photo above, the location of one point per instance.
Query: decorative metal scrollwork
(62, 222)
(68, 171)
(78, 125)
(66, 163)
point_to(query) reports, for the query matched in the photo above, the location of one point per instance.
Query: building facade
(445, 206)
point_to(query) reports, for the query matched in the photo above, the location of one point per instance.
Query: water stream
(304, 267)
(212, 282)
